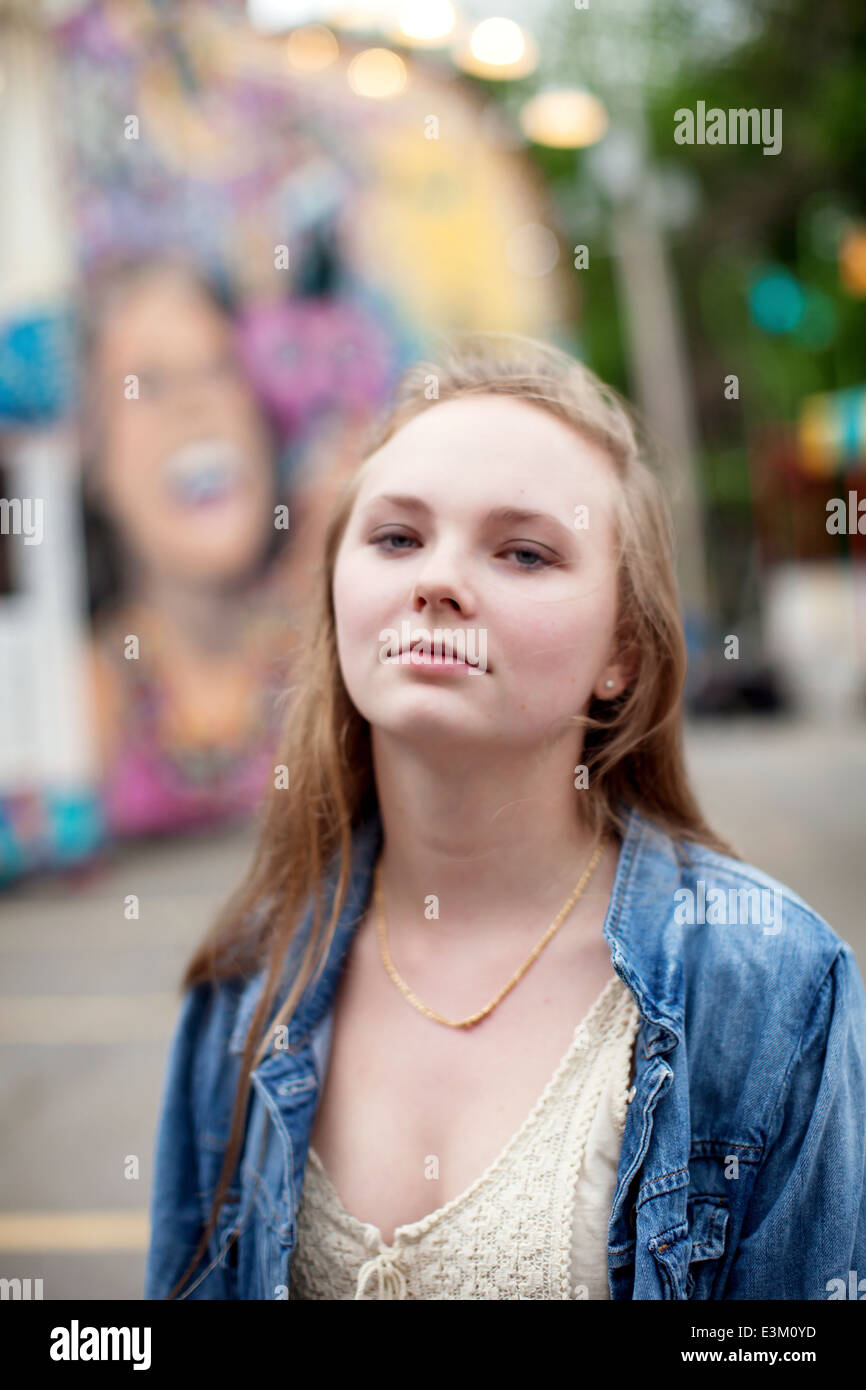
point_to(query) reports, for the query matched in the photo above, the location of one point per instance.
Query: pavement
(90, 995)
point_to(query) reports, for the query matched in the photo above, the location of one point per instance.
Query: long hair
(632, 747)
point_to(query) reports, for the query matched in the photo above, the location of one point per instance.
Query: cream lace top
(533, 1225)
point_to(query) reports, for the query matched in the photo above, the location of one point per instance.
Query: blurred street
(89, 997)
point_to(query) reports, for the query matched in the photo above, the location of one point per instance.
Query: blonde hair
(632, 745)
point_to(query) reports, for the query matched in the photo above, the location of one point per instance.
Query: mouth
(445, 658)
(203, 473)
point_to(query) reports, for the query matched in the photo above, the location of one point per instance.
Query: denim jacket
(742, 1170)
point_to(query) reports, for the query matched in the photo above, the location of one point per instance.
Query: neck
(194, 620)
(498, 840)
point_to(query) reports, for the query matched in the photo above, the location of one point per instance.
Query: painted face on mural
(184, 469)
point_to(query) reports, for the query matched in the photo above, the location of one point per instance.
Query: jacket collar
(646, 946)
(645, 943)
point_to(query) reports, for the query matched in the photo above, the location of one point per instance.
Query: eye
(379, 542)
(152, 382)
(544, 563)
(540, 561)
(223, 366)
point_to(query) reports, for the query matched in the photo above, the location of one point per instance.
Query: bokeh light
(497, 49)
(377, 73)
(564, 118)
(311, 48)
(776, 300)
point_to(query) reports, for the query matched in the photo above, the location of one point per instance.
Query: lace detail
(510, 1234)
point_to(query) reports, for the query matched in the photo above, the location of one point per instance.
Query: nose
(193, 389)
(440, 577)
(441, 585)
(434, 595)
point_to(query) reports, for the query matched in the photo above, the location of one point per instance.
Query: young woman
(180, 487)
(496, 1015)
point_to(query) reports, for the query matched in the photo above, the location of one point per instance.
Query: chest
(412, 1112)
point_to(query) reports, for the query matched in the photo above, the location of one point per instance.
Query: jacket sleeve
(804, 1230)
(177, 1215)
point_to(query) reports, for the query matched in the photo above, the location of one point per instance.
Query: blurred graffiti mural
(217, 257)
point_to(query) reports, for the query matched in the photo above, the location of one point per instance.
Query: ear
(617, 675)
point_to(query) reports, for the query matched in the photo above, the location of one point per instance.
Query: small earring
(609, 685)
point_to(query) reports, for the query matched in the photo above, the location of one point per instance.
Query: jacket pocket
(687, 1256)
(251, 1256)
(708, 1229)
(228, 1237)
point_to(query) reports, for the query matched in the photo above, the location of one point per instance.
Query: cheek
(353, 612)
(557, 649)
(131, 450)
(235, 414)
(363, 595)
(256, 446)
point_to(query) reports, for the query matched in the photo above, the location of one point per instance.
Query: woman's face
(184, 469)
(536, 594)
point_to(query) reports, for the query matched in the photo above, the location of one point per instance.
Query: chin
(416, 724)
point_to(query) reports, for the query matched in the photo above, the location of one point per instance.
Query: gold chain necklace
(518, 975)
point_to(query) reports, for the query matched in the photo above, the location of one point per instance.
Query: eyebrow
(515, 515)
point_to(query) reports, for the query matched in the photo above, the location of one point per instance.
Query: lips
(203, 472)
(441, 655)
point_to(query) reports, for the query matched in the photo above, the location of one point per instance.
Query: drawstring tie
(383, 1272)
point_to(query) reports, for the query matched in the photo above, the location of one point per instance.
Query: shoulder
(702, 887)
(753, 955)
(215, 1010)
(216, 1013)
(203, 1067)
(754, 950)
(744, 895)
(209, 1010)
